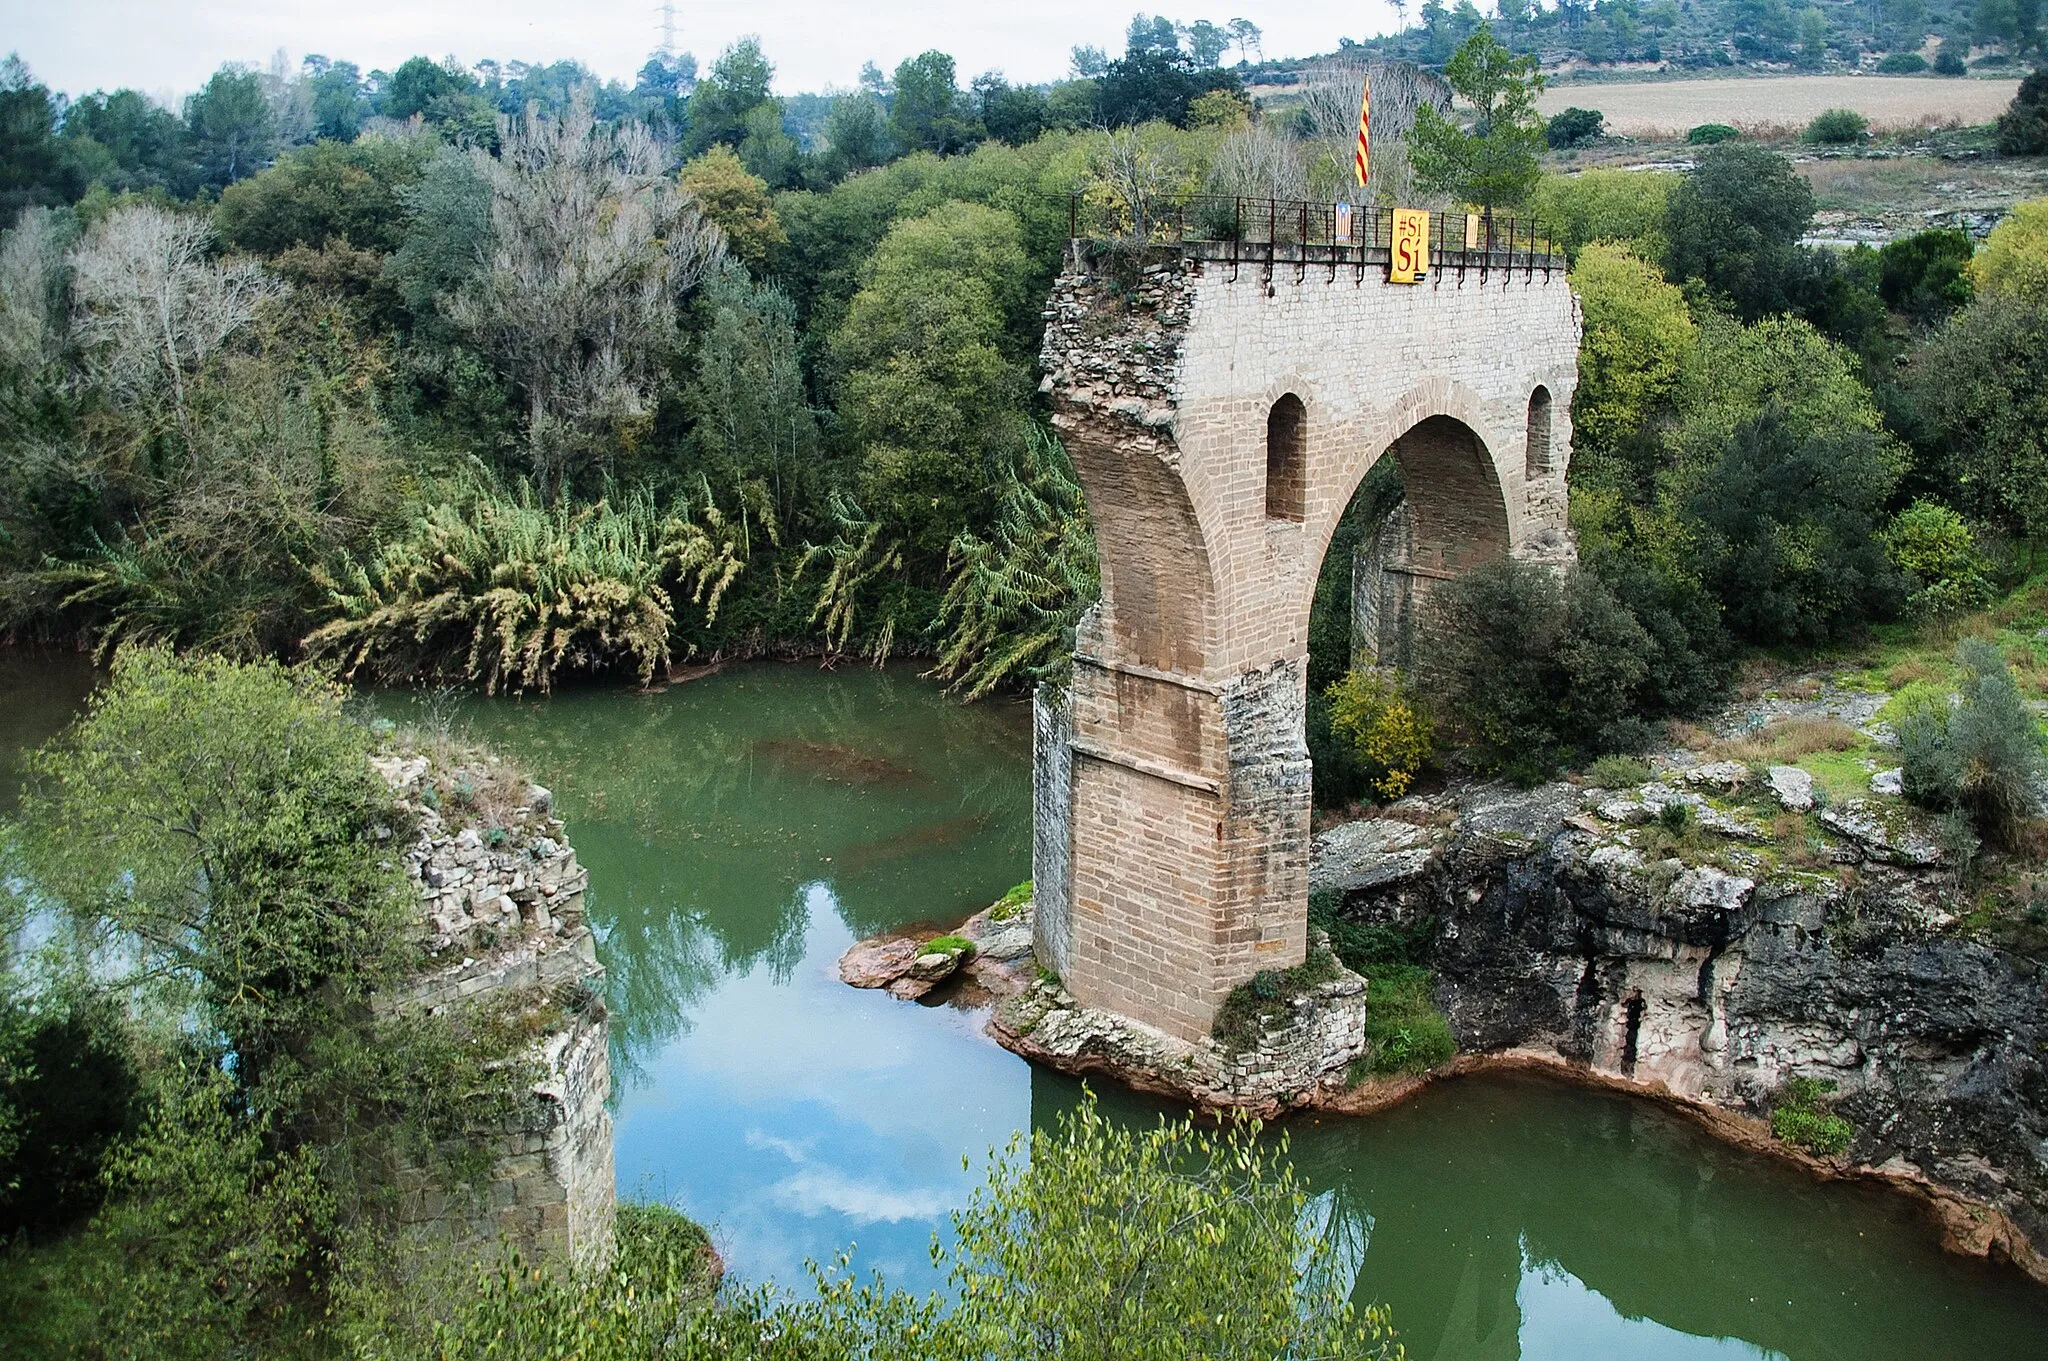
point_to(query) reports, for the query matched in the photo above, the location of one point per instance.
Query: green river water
(743, 829)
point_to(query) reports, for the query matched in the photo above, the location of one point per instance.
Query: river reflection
(742, 830)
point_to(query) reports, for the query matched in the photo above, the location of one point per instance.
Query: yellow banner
(1409, 259)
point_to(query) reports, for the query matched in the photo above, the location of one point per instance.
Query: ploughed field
(1666, 108)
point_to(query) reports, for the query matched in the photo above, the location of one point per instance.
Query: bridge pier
(1220, 413)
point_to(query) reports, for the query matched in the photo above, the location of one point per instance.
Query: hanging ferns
(1015, 597)
(860, 553)
(511, 591)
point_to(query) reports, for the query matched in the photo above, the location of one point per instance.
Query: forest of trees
(504, 374)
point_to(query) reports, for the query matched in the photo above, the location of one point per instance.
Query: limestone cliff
(1561, 924)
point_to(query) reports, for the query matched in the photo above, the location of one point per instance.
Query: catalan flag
(1363, 160)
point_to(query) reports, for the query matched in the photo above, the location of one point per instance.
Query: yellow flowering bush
(1390, 733)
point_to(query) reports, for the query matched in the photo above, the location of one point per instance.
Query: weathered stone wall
(503, 921)
(1052, 822)
(1190, 778)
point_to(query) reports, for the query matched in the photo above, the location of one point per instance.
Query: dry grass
(1779, 105)
(1911, 670)
(1787, 739)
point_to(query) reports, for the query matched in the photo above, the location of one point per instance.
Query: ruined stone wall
(502, 921)
(1190, 778)
(1052, 824)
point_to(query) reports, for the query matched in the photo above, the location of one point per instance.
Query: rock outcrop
(1713, 968)
(502, 923)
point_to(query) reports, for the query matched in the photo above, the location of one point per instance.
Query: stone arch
(1455, 515)
(1287, 459)
(1537, 442)
(1157, 588)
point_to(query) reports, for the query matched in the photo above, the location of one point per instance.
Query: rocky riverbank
(1734, 937)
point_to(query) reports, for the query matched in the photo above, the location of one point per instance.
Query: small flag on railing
(1363, 160)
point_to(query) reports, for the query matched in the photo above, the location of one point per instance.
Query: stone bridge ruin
(1221, 401)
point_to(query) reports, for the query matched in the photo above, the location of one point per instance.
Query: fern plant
(1015, 597)
(511, 591)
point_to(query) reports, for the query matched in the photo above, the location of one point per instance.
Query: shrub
(1948, 61)
(1252, 1007)
(2014, 261)
(1709, 134)
(1536, 666)
(1786, 525)
(74, 1095)
(1735, 224)
(1978, 393)
(1902, 64)
(1933, 546)
(1573, 128)
(1837, 127)
(2023, 127)
(1799, 1119)
(510, 591)
(1982, 757)
(1926, 276)
(1086, 1242)
(1387, 729)
(1617, 772)
(1405, 1031)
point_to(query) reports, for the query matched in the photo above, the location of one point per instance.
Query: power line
(668, 28)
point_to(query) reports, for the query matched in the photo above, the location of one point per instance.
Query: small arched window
(1287, 459)
(1539, 432)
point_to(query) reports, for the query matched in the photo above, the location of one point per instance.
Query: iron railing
(1263, 231)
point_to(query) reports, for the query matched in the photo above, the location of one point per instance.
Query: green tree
(1638, 335)
(1935, 549)
(143, 145)
(1494, 162)
(349, 196)
(933, 390)
(1785, 527)
(226, 818)
(444, 97)
(927, 112)
(1979, 395)
(2014, 260)
(1735, 223)
(2023, 127)
(737, 84)
(1624, 207)
(737, 201)
(36, 167)
(856, 134)
(229, 124)
(753, 422)
(1535, 668)
(1926, 276)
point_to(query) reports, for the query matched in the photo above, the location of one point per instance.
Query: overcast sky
(170, 46)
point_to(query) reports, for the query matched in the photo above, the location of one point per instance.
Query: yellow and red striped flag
(1363, 160)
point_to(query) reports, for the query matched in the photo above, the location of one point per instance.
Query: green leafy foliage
(1617, 772)
(2014, 260)
(1837, 127)
(1638, 335)
(2023, 128)
(1979, 400)
(69, 1094)
(1925, 275)
(1010, 611)
(1086, 1242)
(1623, 208)
(1934, 547)
(1268, 997)
(1493, 162)
(1390, 734)
(1712, 134)
(1734, 224)
(1573, 128)
(1799, 1118)
(1981, 756)
(1535, 666)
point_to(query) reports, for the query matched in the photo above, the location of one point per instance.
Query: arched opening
(1539, 432)
(1432, 511)
(1287, 459)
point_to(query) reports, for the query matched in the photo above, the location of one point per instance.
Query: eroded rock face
(1558, 926)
